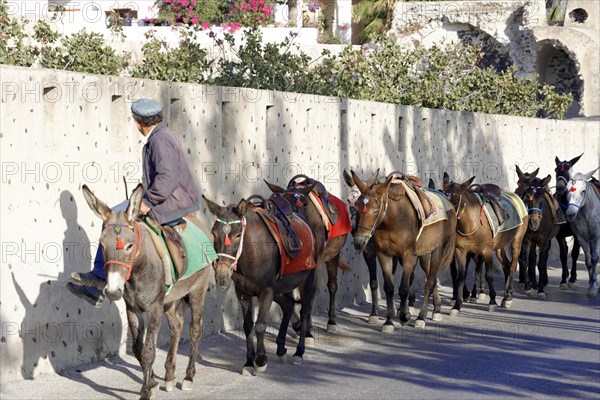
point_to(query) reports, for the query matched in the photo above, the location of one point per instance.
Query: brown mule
(385, 212)
(135, 273)
(475, 236)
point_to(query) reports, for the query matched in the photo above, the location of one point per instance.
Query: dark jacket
(170, 189)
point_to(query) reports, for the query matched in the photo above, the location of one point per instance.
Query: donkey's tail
(448, 253)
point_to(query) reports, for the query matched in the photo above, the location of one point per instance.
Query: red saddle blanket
(305, 260)
(343, 224)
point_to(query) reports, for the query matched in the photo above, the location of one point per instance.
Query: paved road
(537, 349)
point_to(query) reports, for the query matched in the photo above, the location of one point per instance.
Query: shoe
(88, 279)
(81, 291)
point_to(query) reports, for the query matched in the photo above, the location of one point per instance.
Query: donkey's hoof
(592, 292)
(420, 324)
(154, 391)
(436, 316)
(571, 285)
(297, 360)
(473, 300)
(309, 341)
(541, 295)
(387, 328)
(247, 370)
(521, 285)
(187, 384)
(282, 359)
(454, 313)
(373, 319)
(529, 292)
(482, 296)
(492, 307)
(507, 303)
(332, 328)
(260, 369)
(170, 385)
(563, 285)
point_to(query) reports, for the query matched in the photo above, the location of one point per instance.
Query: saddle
(320, 191)
(415, 184)
(279, 211)
(175, 245)
(491, 193)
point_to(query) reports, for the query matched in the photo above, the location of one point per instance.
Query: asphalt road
(536, 349)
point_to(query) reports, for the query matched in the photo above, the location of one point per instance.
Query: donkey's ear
(465, 185)
(373, 178)
(546, 180)
(364, 189)
(521, 175)
(574, 160)
(534, 174)
(242, 207)
(557, 161)
(589, 175)
(446, 179)
(213, 207)
(274, 188)
(431, 184)
(135, 203)
(305, 191)
(97, 205)
(348, 179)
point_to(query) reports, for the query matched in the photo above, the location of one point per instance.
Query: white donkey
(583, 214)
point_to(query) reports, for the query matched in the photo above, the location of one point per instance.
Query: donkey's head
(577, 193)
(120, 240)
(534, 201)
(228, 232)
(371, 206)
(563, 173)
(454, 191)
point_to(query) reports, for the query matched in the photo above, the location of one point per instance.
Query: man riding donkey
(170, 194)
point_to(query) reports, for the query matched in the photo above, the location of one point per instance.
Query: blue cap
(146, 107)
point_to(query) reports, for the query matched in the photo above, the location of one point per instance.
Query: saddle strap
(162, 253)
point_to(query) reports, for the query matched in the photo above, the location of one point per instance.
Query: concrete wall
(60, 130)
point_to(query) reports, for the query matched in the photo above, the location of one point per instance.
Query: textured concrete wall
(60, 130)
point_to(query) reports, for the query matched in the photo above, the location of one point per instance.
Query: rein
(119, 246)
(461, 211)
(227, 229)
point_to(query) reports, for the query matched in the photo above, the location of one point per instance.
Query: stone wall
(61, 130)
(517, 33)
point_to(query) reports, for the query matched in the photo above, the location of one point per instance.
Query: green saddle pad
(199, 248)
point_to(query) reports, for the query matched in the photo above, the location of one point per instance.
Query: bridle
(529, 200)
(383, 206)
(119, 246)
(584, 194)
(226, 230)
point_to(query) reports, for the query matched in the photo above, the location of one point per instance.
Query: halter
(227, 229)
(119, 246)
(380, 214)
(584, 194)
(534, 210)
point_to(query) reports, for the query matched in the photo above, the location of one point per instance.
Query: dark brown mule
(249, 256)
(328, 252)
(563, 172)
(385, 212)
(370, 252)
(135, 272)
(475, 236)
(540, 231)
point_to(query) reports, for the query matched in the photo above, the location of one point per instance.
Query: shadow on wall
(58, 327)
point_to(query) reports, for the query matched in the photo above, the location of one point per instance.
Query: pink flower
(205, 25)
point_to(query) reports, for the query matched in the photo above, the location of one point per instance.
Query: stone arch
(557, 67)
